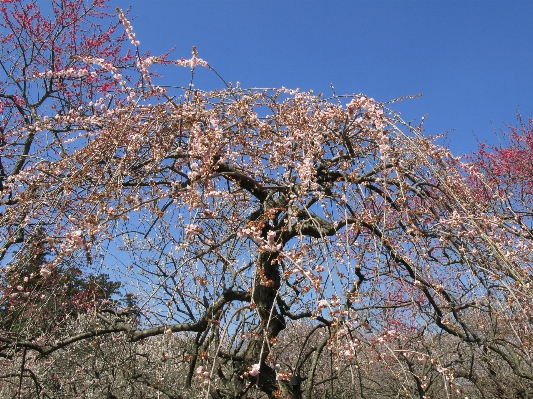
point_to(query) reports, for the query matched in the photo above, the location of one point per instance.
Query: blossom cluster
(128, 27)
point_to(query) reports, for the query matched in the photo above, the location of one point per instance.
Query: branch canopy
(274, 239)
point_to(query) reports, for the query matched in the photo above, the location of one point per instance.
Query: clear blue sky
(471, 60)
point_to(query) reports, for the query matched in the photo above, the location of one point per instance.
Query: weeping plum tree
(235, 219)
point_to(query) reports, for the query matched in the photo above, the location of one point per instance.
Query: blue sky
(471, 60)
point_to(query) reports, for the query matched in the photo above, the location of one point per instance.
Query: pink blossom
(193, 61)
(45, 272)
(127, 25)
(255, 370)
(322, 303)
(283, 376)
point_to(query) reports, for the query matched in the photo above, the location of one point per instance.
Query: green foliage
(37, 303)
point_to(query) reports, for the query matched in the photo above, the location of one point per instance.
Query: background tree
(504, 175)
(45, 299)
(236, 218)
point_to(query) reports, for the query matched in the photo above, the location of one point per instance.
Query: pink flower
(283, 376)
(255, 370)
(193, 62)
(45, 272)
